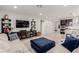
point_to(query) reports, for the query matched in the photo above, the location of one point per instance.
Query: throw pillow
(13, 36)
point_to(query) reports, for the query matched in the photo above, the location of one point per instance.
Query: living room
(36, 25)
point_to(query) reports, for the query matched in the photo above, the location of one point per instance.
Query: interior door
(47, 27)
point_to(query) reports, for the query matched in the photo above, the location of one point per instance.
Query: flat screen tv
(22, 24)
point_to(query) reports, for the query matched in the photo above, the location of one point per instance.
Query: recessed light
(65, 5)
(41, 14)
(46, 17)
(15, 7)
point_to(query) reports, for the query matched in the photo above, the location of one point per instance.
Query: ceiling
(49, 11)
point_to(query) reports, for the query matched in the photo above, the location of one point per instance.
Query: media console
(23, 34)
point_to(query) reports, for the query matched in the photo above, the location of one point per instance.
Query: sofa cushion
(18, 47)
(5, 46)
(71, 43)
(3, 36)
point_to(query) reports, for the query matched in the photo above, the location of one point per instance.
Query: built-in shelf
(6, 25)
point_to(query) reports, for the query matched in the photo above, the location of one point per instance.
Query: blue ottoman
(42, 45)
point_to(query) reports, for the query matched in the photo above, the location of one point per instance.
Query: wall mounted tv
(22, 24)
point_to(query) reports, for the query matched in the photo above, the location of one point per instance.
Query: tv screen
(22, 24)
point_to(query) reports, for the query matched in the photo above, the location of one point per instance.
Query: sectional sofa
(24, 46)
(11, 46)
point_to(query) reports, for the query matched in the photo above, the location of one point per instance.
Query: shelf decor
(33, 24)
(6, 24)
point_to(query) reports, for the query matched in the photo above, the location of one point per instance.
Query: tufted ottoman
(42, 45)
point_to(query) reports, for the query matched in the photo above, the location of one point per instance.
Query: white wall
(14, 17)
(47, 25)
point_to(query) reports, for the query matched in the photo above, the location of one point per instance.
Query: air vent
(39, 6)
